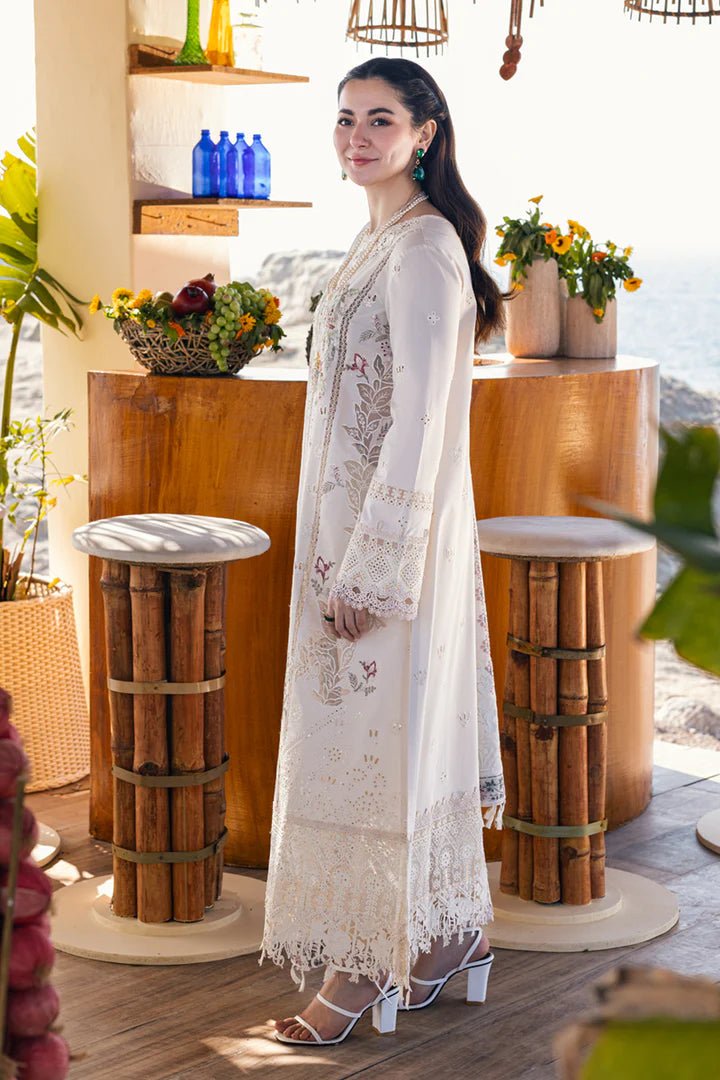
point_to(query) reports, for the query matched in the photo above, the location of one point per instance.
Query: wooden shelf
(158, 62)
(198, 217)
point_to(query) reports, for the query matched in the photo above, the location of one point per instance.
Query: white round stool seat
(170, 539)
(560, 539)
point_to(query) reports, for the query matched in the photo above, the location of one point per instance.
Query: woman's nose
(359, 137)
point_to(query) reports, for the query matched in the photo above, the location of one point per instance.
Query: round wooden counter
(543, 433)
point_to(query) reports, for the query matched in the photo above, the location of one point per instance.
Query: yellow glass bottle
(220, 44)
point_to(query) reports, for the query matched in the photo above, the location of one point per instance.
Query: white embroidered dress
(389, 744)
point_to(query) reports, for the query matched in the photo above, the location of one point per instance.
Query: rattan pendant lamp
(674, 9)
(412, 24)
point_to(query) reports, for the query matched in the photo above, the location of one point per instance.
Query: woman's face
(374, 137)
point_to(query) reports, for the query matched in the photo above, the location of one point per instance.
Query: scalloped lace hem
(388, 606)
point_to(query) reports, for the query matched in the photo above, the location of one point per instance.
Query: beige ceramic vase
(562, 347)
(533, 315)
(586, 338)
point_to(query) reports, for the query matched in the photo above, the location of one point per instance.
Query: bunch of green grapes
(224, 324)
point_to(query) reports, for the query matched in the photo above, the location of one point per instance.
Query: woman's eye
(344, 120)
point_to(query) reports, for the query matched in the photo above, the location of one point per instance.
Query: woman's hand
(349, 622)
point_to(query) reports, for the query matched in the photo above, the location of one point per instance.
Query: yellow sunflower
(627, 252)
(499, 232)
(518, 286)
(599, 312)
(246, 324)
(632, 283)
(271, 314)
(142, 298)
(95, 304)
(562, 244)
(576, 227)
(121, 295)
(502, 260)
(536, 199)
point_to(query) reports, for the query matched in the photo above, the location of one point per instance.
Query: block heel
(384, 1015)
(477, 982)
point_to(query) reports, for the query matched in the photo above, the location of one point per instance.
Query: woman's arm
(383, 565)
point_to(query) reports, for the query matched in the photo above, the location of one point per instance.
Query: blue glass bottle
(228, 162)
(205, 167)
(256, 170)
(240, 147)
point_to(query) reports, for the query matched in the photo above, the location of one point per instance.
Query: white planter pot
(586, 338)
(533, 315)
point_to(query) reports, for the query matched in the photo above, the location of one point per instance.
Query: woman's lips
(362, 161)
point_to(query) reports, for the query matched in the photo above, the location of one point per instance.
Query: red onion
(29, 833)
(5, 711)
(13, 760)
(31, 957)
(32, 895)
(31, 1012)
(43, 1058)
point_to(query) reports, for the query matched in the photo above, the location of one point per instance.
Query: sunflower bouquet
(202, 328)
(589, 270)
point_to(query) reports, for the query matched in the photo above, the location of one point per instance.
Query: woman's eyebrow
(371, 112)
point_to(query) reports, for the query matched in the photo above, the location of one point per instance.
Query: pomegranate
(13, 761)
(31, 1012)
(32, 956)
(29, 834)
(32, 895)
(207, 284)
(191, 300)
(43, 1058)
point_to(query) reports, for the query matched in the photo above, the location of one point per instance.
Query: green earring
(418, 171)
(343, 174)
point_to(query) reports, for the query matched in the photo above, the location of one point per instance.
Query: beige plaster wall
(93, 124)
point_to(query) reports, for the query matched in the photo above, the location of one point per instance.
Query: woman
(389, 745)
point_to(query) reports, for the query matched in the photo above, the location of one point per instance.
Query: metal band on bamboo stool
(146, 857)
(178, 780)
(532, 829)
(206, 686)
(583, 720)
(520, 645)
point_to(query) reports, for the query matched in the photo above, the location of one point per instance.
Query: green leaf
(13, 237)
(662, 1048)
(688, 614)
(687, 478)
(18, 194)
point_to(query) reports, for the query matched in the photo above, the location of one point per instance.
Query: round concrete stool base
(708, 830)
(84, 925)
(47, 846)
(634, 909)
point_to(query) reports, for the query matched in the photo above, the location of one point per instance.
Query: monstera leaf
(688, 612)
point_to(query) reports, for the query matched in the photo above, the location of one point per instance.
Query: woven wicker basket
(40, 667)
(189, 355)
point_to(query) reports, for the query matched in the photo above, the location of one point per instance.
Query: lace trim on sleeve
(383, 565)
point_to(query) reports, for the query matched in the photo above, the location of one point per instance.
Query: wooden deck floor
(206, 1021)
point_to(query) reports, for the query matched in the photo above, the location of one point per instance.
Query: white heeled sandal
(384, 1015)
(478, 974)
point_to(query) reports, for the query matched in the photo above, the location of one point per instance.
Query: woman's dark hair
(424, 100)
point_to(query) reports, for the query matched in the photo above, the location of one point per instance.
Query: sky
(609, 118)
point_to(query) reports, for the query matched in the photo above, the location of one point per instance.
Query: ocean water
(675, 317)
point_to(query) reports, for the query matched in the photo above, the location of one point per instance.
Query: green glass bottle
(192, 51)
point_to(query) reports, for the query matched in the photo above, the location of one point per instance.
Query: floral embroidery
(355, 366)
(364, 684)
(425, 419)
(433, 318)
(321, 567)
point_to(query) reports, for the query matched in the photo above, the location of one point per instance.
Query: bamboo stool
(164, 588)
(554, 893)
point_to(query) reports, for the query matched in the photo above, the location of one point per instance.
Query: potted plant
(591, 273)
(569, 310)
(39, 659)
(533, 322)
(203, 329)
